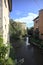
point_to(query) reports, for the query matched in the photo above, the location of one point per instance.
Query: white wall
(5, 21)
(1, 27)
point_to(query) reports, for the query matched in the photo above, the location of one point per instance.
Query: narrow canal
(30, 54)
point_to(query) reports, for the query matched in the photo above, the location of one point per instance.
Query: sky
(26, 10)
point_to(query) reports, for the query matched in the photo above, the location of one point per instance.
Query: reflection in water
(21, 61)
(30, 55)
(27, 41)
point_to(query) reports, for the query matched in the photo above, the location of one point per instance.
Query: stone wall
(5, 21)
(1, 27)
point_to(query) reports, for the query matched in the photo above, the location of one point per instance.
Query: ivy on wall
(3, 51)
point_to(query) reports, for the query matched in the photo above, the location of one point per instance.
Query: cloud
(27, 19)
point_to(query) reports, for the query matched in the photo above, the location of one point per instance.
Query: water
(27, 41)
(30, 55)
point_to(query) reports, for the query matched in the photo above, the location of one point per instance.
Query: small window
(5, 3)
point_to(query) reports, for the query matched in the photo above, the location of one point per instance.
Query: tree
(36, 33)
(30, 31)
(16, 30)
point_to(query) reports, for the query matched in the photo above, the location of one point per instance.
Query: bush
(10, 62)
(37, 41)
(1, 40)
(12, 52)
(3, 51)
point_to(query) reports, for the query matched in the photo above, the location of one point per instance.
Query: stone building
(5, 8)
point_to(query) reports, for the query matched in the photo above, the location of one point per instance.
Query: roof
(10, 5)
(36, 18)
(41, 10)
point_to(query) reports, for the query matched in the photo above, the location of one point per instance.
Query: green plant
(36, 35)
(30, 31)
(3, 52)
(41, 44)
(10, 62)
(12, 53)
(16, 30)
(1, 40)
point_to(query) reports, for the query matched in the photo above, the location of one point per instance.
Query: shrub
(1, 40)
(12, 52)
(10, 62)
(3, 51)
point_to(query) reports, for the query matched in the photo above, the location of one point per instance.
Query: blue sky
(26, 10)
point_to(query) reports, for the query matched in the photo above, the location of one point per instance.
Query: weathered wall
(1, 27)
(5, 21)
(41, 23)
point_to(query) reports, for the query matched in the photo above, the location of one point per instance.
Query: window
(5, 3)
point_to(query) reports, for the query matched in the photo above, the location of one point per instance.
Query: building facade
(5, 8)
(38, 23)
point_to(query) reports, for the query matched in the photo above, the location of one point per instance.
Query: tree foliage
(16, 30)
(36, 33)
(3, 51)
(30, 31)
